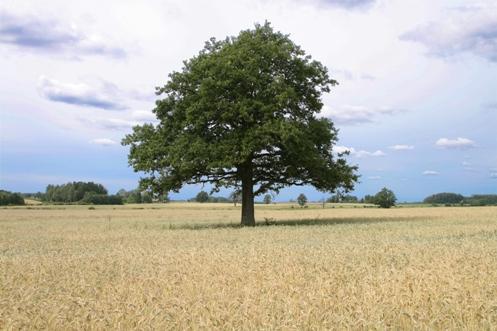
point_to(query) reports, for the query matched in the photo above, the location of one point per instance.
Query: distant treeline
(78, 192)
(138, 196)
(203, 196)
(92, 193)
(447, 198)
(10, 199)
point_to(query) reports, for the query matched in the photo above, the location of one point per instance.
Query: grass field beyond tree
(190, 266)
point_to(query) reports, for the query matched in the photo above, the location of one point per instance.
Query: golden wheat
(187, 266)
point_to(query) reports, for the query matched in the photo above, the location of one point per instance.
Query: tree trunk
(248, 218)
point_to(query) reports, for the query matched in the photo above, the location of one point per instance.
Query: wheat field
(189, 266)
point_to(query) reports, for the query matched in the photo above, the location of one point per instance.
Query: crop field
(189, 266)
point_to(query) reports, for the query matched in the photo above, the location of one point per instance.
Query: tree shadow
(299, 222)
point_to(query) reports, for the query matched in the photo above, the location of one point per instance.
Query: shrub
(102, 199)
(202, 196)
(385, 198)
(302, 200)
(444, 198)
(10, 199)
(482, 200)
(72, 192)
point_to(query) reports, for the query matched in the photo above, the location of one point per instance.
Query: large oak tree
(242, 113)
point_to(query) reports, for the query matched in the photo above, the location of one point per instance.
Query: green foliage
(72, 192)
(242, 113)
(202, 196)
(385, 198)
(342, 198)
(301, 199)
(101, 199)
(10, 199)
(369, 199)
(267, 199)
(146, 197)
(444, 198)
(235, 197)
(134, 197)
(138, 196)
(164, 197)
(481, 200)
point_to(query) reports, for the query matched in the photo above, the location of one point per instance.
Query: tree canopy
(444, 197)
(242, 113)
(385, 198)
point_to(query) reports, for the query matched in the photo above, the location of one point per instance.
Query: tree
(72, 192)
(242, 113)
(146, 197)
(164, 197)
(11, 199)
(267, 199)
(444, 198)
(235, 197)
(202, 196)
(385, 198)
(302, 200)
(369, 199)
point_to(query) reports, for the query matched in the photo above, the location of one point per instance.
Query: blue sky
(416, 105)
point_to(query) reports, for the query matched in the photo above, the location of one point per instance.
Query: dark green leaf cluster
(385, 198)
(481, 200)
(72, 192)
(138, 196)
(202, 196)
(244, 106)
(10, 199)
(336, 198)
(444, 198)
(301, 199)
(101, 199)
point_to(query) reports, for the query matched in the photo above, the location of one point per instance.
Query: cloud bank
(103, 96)
(348, 4)
(353, 115)
(470, 29)
(34, 34)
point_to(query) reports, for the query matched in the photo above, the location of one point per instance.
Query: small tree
(302, 200)
(385, 198)
(236, 197)
(202, 196)
(268, 199)
(146, 197)
(164, 198)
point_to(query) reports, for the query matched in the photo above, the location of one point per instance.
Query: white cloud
(467, 29)
(118, 124)
(430, 173)
(352, 115)
(103, 141)
(103, 95)
(401, 147)
(458, 143)
(50, 36)
(349, 4)
(143, 115)
(357, 153)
